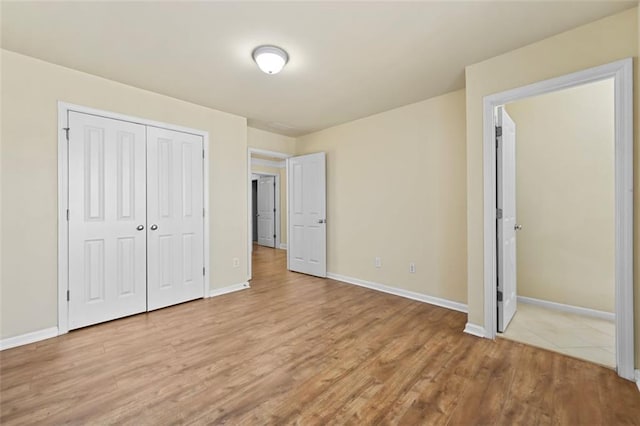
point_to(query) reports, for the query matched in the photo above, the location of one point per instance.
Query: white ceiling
(347, 59)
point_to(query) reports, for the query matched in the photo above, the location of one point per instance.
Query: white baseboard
(25, 339)
(475, 330)
(638, 379)
(444, 303)
(568, 308)
(228, 289)
(283, 246)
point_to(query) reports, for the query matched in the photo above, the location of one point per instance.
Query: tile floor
(587, 338)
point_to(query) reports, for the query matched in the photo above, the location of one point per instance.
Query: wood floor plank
(296, 349)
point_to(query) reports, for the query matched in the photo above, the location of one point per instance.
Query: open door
(266, 211)
(306, 187)
(506, 223)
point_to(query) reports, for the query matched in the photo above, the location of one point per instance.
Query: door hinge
(499, 296)
(203, 270)
(67, 215)
(274, 209)
(498, 131)
(499, 214)
(203, 153)
(68, 297)
(274, 235)
(203, 214)
(66, 130)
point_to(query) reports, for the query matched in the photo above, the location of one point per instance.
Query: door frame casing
(622, 73)
(277, 216)
(265, 152)
(63, 197)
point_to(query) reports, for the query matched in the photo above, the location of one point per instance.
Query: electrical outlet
(412, 268)
(378, 262)
(236, 262)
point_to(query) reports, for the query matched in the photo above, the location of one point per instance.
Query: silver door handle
(140, 227)
(517, 227)
(154, 227)
(322, 220)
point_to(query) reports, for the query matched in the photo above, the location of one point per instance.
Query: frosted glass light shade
(270, 59)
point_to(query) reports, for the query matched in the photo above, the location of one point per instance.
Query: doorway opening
(300, 183)
(501, 224)
(556, 223)
(267, 201)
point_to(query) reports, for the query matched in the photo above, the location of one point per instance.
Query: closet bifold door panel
(107, 219)
(175, 216)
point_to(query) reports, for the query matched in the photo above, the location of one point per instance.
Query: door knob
(154, 227)
(517, 227)
(140, 227)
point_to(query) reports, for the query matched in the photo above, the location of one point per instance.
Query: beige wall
(262, 139)
(30, 90)
(600, 42)
(396, 189)
(282, 173)
(566, 196)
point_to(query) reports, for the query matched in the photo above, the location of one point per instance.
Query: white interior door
(266, 211)
(107, 219)
(175, 252)
(306, 187)
(507, 225)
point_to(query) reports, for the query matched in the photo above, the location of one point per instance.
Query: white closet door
(175, 252)
(267, 211)
(107, 219)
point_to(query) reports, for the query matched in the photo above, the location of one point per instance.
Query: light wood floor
(298, 349)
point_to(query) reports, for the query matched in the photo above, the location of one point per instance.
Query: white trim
(622, 73)
(265, 152)
(638, 379)
(63, 225)
(63, 198)
(475, 330)
(25, 339)
(207, 215)
(228, 289)
(267, 163)
(288, 215)
(444, 303)
(283, 246)
(609, 316)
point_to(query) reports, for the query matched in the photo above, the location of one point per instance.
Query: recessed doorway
(267, 198)
(561, 187)
(496, 239)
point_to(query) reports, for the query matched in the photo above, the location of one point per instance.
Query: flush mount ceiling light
(270, 59)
